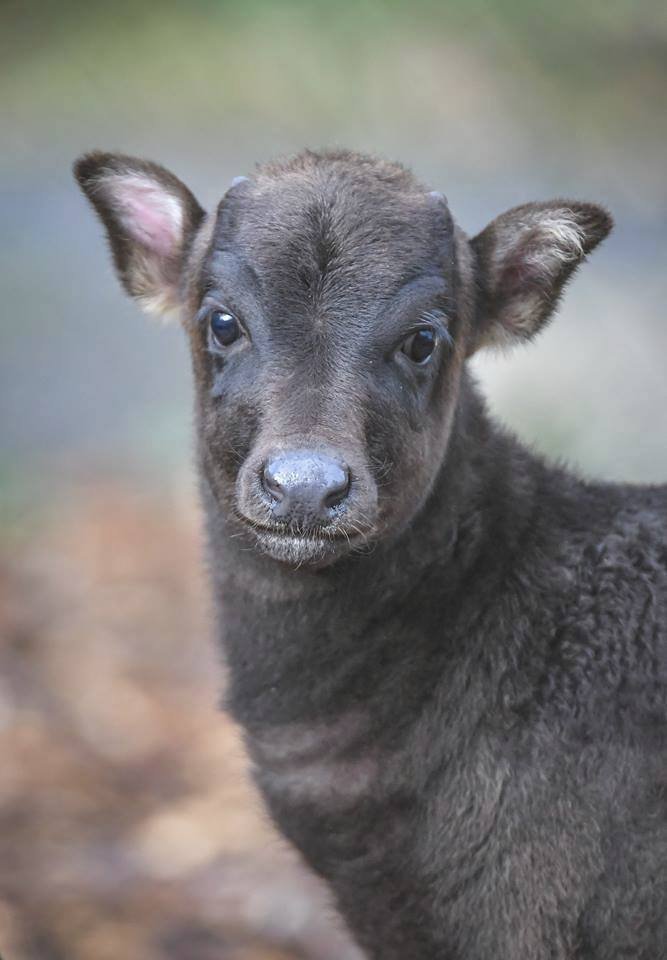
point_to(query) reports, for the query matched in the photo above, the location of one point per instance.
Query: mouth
(312, 547)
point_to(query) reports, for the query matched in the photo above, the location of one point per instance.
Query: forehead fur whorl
(315, 218)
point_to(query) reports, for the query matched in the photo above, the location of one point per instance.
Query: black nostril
(270, 483)
(337, 484)
(304, 485)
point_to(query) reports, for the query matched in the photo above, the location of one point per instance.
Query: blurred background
(127, 827)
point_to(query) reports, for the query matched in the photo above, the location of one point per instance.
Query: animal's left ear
(524, 259)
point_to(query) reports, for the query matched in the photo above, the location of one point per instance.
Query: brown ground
(128, 830)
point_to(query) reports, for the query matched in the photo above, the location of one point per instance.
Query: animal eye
(419, 346)
(225, 328)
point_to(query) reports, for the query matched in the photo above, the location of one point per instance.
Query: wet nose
(305, 485)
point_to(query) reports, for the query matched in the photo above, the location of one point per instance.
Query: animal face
(330, 302)
(325, 356)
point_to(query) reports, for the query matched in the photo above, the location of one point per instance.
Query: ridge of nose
(305, 485)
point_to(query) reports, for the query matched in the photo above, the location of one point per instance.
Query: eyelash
(438, 320)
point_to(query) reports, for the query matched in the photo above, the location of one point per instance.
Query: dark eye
(224, 327)
(419, 346)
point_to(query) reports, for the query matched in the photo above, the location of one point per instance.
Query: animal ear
(150, 219)
(525, 257)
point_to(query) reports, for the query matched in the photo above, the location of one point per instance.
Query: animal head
(331, 302)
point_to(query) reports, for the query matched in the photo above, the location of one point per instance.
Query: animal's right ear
(150, 219)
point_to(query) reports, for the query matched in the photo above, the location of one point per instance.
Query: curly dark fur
(460, 717)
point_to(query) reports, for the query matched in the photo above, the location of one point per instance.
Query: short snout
(305, 487)
(307, 501)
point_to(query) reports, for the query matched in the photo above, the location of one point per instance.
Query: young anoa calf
(449, 658)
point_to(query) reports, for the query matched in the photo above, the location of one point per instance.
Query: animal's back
(627, 663)
(600, 712)
(551, 817)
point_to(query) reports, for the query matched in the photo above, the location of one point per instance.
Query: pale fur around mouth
(301, 548)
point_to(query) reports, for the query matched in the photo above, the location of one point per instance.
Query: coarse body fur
(464, 732)
(454, 692)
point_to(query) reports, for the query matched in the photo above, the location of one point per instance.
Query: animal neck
(302, 642)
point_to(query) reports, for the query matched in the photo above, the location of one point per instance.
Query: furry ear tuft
(525, 257)
(150, 219)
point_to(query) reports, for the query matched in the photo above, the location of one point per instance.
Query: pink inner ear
(150, 214)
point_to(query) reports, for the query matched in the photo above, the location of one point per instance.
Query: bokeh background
(127, 827)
